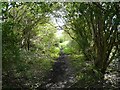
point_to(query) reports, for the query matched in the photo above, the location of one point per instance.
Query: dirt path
(62, 75)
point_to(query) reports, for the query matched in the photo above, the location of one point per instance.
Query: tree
(21, 24)
(25, 16)
(95, 26)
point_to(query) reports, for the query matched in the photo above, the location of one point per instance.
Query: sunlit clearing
(59, 33)
(64, 43)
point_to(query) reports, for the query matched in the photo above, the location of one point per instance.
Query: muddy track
(61, 75)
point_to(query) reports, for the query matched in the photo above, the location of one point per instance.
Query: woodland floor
(61, 75)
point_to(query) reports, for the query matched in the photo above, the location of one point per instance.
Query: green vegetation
(85, 36)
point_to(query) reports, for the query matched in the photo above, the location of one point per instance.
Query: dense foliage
(33, 39)
(95, 26)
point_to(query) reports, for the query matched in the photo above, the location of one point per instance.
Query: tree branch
(99, 6)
